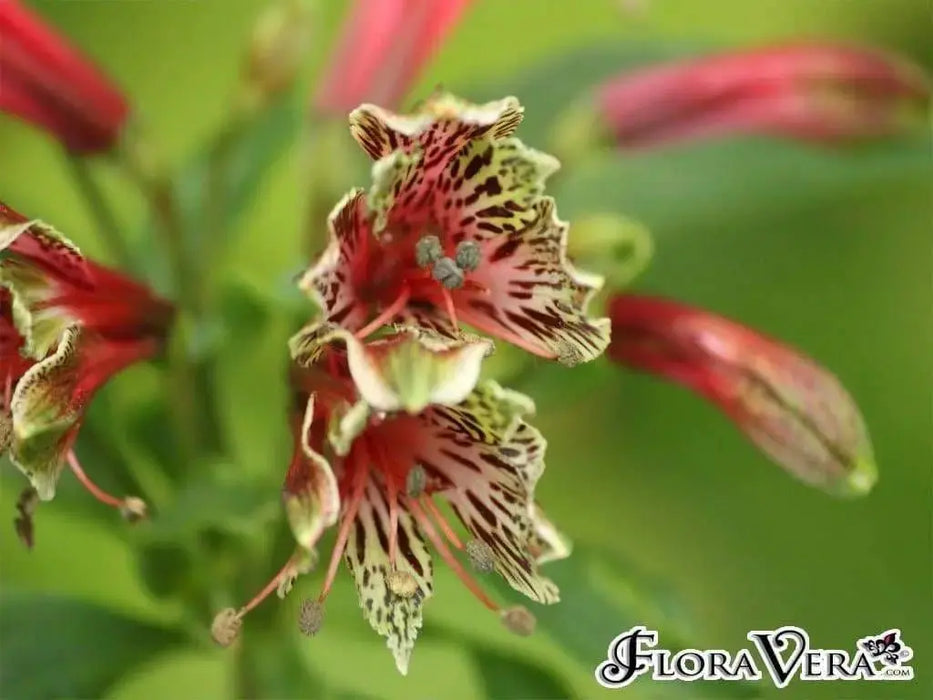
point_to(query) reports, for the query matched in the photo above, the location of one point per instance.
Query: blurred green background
(828, 250)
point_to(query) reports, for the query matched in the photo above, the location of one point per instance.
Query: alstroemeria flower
(389, 426)
(817, 91)
(80, 323)
(55, 287)
(383, 47)
(46, 82)
(455, 229)
(795, 411)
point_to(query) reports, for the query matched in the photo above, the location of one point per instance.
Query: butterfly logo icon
(887, 648)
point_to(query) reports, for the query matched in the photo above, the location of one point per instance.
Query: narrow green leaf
(595, 608)
(52, 647)
(247, 152)
(508, 676)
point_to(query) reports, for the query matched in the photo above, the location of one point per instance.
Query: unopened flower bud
(226, 627)
(401, 583)
(277, 49)
(790, 407)
(467, 255)
(518, 620)
(310, 617)
(481, 556)
(50, 84)
(133, 509)
(447, 273)
(428, 251)
(822, 92)
(415, 481)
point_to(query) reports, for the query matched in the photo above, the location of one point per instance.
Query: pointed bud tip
(861, 480)
(310, 617)
(226, 627)
(519, 620)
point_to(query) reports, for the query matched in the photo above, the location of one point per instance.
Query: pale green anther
(310, 617)
(448, 273)
(428, 251)
(467, 255)
(481, 556)
(401, 583)
(415, 481)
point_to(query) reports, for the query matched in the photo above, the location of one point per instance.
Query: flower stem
(156, 187)
(107, 225)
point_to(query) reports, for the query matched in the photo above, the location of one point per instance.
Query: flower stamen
(449, 305)
(387, 314)
(131, 508)
(343, 535)
(441, 521)
(448, 556)
(393, 519)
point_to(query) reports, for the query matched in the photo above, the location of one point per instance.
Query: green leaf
(244, 153)
(503, 675)
(601, 597)
(672, 192)
(56, 647)
(271, 665)
(507, 676)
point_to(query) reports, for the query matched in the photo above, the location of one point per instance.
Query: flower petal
(395, 617)
(547, 543)
(410, 370)
(37, 263)
(534, 297)
(440, 128)
(45, 419)
(333, 281)
(312, 501)
(404, 371)
(491, 459)
(490, 188)
(346, 425)
(49, 401)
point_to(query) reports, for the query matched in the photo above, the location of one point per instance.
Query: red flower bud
(383, 47)
(50, 84)
(790, 407)
(815, 92)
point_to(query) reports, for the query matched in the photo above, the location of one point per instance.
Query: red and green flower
(392, 430)
(456, 229)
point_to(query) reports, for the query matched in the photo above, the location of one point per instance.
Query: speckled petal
(440, 128)
(488, 460)
(310, 494)
(333, 282)
(38, 257)
(395, 617)
(533, 296)
(491, 188)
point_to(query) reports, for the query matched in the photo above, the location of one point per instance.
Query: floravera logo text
(782, 655)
